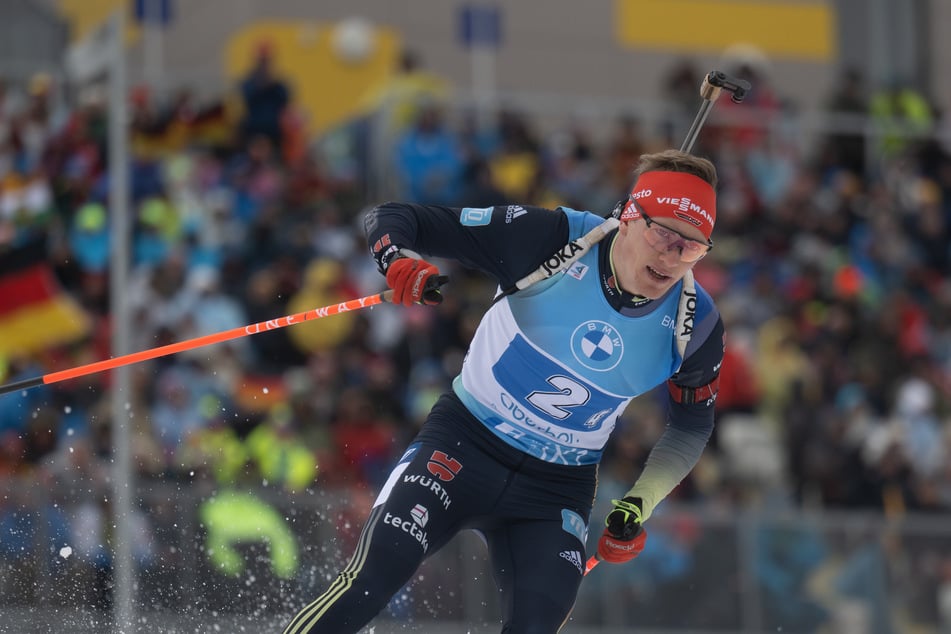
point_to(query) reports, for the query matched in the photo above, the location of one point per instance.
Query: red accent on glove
(616, 551)
(408, 278)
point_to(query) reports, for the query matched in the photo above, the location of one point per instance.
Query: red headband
(675, 195)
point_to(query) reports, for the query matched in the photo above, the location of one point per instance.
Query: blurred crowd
(831, 270)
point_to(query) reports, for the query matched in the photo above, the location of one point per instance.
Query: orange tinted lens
(658, 235)
(690, 250)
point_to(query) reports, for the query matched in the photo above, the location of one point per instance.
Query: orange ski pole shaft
(592, 562)
(198, 342)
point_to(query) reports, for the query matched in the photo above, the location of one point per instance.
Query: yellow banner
(797, 30)
(85, 16)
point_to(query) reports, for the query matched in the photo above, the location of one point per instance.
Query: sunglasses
(665, 238)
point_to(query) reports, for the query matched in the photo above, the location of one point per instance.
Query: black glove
(624, 537)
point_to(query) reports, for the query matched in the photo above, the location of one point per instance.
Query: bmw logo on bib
(597, 345)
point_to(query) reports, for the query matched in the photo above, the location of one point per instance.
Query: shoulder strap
(686, 314)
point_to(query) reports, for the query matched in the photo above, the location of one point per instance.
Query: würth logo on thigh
(443, 467)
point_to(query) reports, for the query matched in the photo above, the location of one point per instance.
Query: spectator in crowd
(176, 414)
(325, 283)
(680, 89)
(625, 148)
(516, 167)
(747, 124)
(429, 159)
(279, 452)
(786, 561)
(846, 150)
(364, 440)
(242, 529)
(903, 116)
(215, 450)
(265, 97)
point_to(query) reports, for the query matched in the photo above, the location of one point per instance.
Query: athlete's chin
(656, 294)
(653, 288)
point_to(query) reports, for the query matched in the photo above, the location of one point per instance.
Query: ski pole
(198, 342)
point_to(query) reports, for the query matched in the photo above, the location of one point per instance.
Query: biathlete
(512, 450)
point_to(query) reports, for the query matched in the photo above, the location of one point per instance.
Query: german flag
(35, 312)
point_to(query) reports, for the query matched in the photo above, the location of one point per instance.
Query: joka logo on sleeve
(443, 467)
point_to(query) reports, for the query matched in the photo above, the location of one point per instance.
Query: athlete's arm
(690, 418)
(506, 241)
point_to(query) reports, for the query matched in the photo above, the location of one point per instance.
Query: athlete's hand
(414, 281)
(624, 537)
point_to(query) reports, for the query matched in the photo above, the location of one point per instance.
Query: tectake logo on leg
(414, 528)
(420, 514)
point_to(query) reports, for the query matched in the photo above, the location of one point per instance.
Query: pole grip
(708, 90)
(738, 88)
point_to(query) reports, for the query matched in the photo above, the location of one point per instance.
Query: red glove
(624, 537)
(414, 281)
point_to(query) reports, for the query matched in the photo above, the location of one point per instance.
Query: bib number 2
(569, 393)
